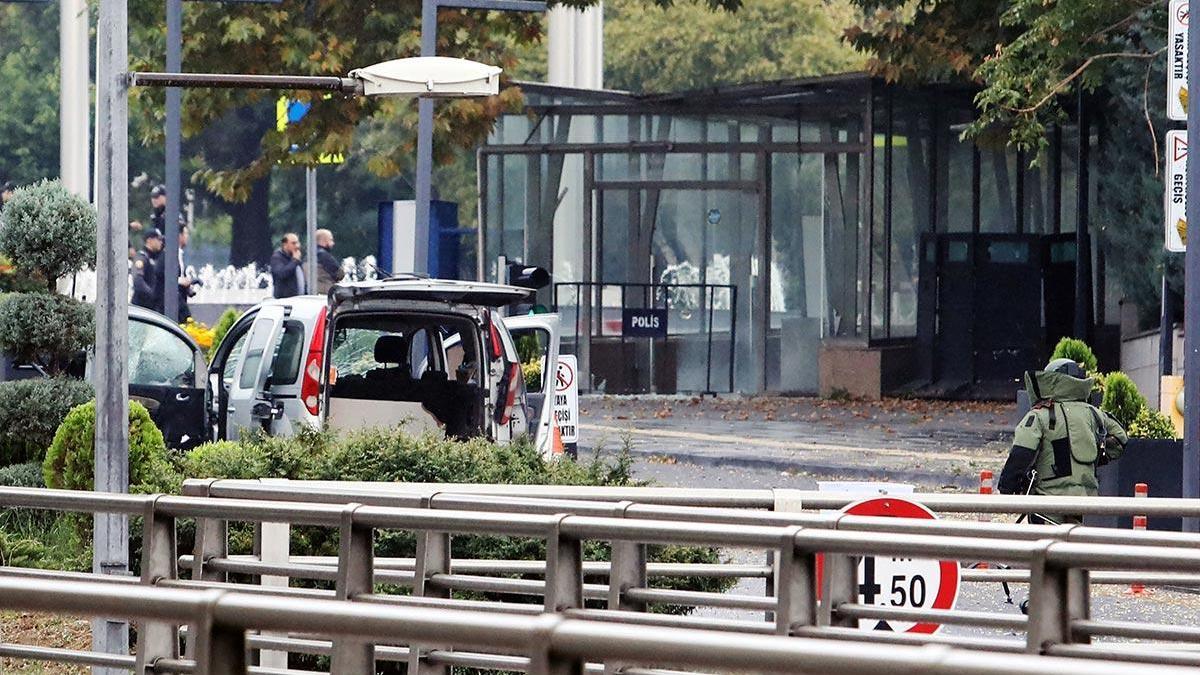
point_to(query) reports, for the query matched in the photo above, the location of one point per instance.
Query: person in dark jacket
(287, 270)
(187, 285)
(329, 272)
(147, 272)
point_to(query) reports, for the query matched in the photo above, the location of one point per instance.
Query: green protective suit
(1061, 437)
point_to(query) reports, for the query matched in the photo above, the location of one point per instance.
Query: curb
(965, 482)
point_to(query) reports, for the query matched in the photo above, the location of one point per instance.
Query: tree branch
(1057, 88)
(1149, 122)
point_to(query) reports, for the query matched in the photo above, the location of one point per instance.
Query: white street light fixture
(423, 77)
(429, 77)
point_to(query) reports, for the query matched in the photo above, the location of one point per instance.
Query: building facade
(806, 236)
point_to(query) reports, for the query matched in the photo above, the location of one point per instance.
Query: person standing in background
(287, 272)
(329, 272)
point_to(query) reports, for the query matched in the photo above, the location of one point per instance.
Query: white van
(436, 355)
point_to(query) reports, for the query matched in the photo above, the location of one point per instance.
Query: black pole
(1083, 248)
(344, 85)
(1191, 305)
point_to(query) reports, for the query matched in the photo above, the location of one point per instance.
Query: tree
(1027, 56)
(322, 38)
(653, 48)
(29, 106)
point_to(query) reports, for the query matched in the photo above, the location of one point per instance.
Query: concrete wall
(1139, 360)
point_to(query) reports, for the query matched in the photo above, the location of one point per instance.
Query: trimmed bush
(47, 232)
(1151, 423)
(70, 459)
(1122, 399)
(1078, 351)
(393, 456)
(221, 328)
(30, 412)
(45, 328)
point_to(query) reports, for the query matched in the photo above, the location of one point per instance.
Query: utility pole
(172, 142)
(73, 110)
(111, 534)
(1191, 293)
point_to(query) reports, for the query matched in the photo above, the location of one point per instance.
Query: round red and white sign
(912, 583)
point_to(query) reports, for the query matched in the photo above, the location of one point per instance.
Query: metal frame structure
(1061, 560)
(891, 144)
(707, 296)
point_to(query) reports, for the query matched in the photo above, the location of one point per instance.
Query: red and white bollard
(1140, 490)
(985, 488)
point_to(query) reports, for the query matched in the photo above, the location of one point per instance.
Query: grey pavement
(934, 444)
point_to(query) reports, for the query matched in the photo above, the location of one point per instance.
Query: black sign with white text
(650, 323)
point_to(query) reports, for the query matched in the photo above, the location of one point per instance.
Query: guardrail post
(220, 648)
(627, 570)
(543, 659)
(840, 587)
(564, 570)
(433, 557)
(356, 576)
(796, 592)
(1058, 596)
(212, 537)
(157, 639)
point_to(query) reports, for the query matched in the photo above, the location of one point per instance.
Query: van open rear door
(537, 339)
(250, 405)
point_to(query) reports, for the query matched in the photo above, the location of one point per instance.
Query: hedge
(393, 456)
(30, 412)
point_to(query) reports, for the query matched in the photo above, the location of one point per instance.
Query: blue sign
(642, 322)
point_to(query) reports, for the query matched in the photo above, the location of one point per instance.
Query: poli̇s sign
(641, 322)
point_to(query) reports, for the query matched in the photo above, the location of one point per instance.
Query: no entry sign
(911, 583)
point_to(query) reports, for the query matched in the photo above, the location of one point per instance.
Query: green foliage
(393, 456)
(48, 232)
(224, 323)
(1076, 350)
(28, 474)
(29, 106)
(30, 412)
(44, 328)
(1027, 54)
(1151, 423)
(652, 48)
(1122, 399)
(70, 460)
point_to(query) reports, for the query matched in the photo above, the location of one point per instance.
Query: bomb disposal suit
(1060, 442)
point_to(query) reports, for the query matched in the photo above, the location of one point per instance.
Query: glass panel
(158, 357)
(1008, 252)
(1070, 173)
(285, 367)
(955, 207)
(911, 172)
(1039, 195)
(997, 190)
(797, 297)
(879, 268)
(958, 251)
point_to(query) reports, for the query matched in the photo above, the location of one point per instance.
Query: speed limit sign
(911, 583)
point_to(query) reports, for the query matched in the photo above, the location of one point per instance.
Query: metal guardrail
(542, 645)
(1061, 567)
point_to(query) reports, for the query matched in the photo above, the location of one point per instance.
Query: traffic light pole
(1191, 320)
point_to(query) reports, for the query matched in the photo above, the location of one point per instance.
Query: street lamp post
(415, 77)
(429, 10)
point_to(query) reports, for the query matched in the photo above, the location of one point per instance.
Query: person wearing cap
(158, 208)
(147, 272)
(1060, 442)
